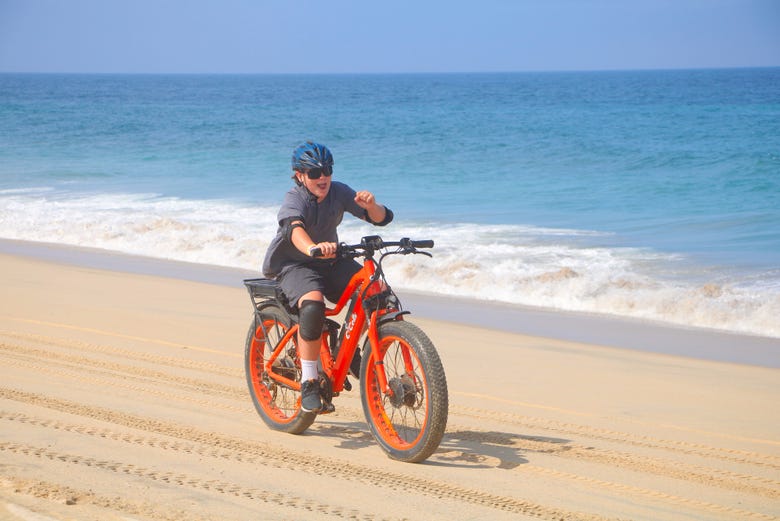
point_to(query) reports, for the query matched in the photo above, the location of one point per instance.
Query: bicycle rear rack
(261, 291)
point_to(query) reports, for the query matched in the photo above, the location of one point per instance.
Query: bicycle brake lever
(414, 251)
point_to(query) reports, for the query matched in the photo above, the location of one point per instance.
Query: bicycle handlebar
(372, 243)
(425, 243)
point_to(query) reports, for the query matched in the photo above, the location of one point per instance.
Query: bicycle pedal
(327, 408)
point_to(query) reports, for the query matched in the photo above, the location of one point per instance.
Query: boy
(308, 218)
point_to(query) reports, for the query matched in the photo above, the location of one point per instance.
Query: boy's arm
(299, 237)
(376, 212)
(301, 240)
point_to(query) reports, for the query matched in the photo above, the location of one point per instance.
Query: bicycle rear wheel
(408, 425)
(278, 405)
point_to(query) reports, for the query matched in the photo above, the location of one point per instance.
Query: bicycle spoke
(277, 403)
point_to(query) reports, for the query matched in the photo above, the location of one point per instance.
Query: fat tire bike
(402, 384)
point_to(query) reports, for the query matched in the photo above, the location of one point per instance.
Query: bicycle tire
(278, 405)
(408, 426)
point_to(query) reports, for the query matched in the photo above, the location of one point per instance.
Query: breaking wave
(563, 269)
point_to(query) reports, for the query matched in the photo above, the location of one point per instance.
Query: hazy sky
(280, 36)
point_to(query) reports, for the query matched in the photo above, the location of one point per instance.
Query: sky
(365, 36)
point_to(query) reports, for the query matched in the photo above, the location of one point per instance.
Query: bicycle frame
(360, 286)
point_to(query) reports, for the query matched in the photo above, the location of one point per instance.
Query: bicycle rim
(277, 404)
(410, 423)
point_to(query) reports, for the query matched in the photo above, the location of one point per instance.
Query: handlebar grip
(423, 244)
(316, 252)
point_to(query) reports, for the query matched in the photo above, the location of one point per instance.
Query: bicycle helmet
(311, 155)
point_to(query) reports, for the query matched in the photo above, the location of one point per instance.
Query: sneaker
(310, 396)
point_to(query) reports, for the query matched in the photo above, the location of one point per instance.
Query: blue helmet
(311, 155)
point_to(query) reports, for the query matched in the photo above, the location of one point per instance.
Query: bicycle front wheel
(409, 422)
(277, 404)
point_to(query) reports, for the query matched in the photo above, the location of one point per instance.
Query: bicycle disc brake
(404, 391)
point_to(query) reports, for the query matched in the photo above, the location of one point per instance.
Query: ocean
(645, 194)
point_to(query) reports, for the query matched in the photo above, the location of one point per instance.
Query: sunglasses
(316, 173)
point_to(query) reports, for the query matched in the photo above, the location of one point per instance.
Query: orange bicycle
(403, 388)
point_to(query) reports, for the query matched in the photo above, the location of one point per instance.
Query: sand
(123, 398)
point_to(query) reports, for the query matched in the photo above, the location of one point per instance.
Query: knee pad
(311, 317)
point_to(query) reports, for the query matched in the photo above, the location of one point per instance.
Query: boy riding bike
(308, 221)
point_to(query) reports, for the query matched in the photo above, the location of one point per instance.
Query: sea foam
(542, 267)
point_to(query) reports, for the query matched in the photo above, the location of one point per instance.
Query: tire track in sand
(273, 456)
(724, 479)
(573, 429)
(72, 496)
(519, 443)
(218, 452)
(185, 480)
(182, 363)
(80, 361)
(734, 455)
(112, 380)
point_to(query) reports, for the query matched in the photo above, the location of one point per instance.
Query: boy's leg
(303, 286)
(311, 316)
(341, 273)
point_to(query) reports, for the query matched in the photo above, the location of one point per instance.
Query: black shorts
(330, 278)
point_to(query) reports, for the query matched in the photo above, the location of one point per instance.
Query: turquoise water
(653, 194)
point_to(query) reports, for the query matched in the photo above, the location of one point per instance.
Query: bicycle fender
(389, 317)
(274, 304)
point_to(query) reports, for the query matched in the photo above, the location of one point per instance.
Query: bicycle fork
(379, 363)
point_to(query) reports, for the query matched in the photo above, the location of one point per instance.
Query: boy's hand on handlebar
(325, 250)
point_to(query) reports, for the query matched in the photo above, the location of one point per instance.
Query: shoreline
(604, 330)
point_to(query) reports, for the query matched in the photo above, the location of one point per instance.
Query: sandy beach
(123, 398)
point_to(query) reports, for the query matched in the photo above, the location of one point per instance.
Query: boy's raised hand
(365, 199)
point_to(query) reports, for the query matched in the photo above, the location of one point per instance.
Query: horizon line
(396, 73)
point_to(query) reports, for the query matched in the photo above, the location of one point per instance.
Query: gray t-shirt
(320, 221)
